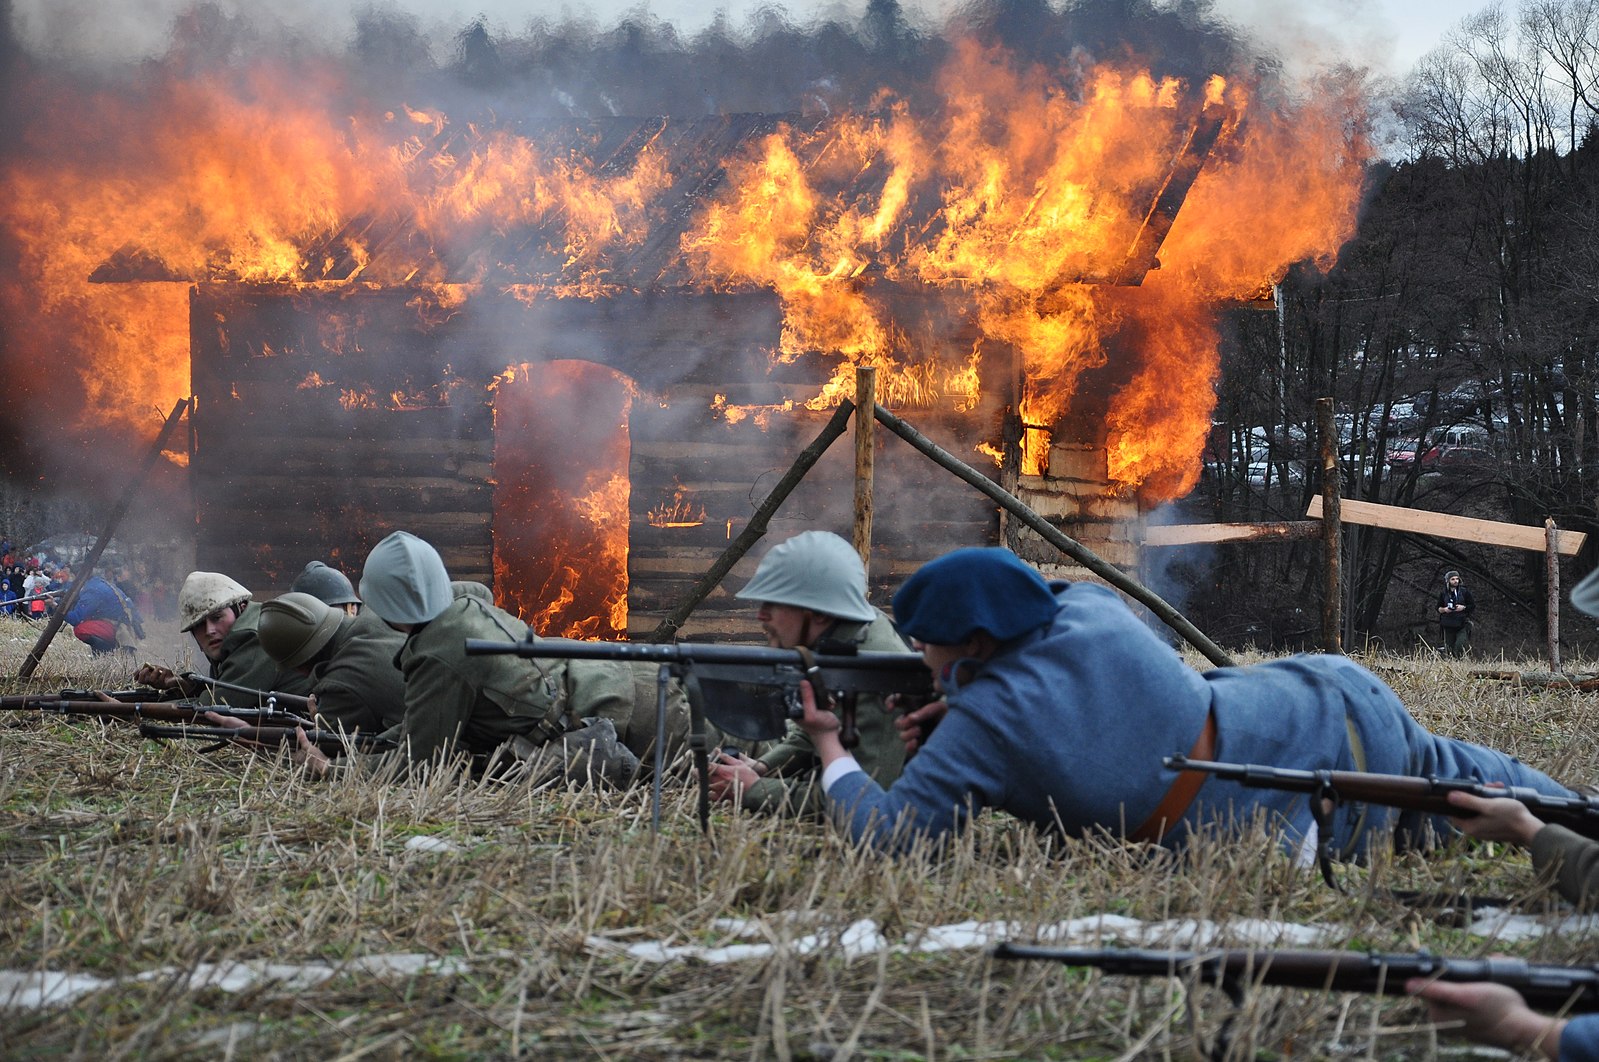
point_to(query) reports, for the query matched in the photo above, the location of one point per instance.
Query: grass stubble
(144, 864)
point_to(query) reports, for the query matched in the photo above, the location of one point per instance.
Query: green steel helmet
(817, 570)
(325, 584)
(405, 580)
(203, 593)
(296, 627)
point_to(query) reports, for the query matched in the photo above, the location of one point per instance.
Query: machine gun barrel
(759, 685)
(876, 672)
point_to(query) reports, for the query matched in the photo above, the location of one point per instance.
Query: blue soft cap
(950, 599)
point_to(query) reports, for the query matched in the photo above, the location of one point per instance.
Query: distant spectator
(1455, 606)
(34, 587)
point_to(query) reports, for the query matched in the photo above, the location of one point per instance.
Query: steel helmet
(326, 584)
(203, 593)
(817, 570)
(405, 581)
(296, 626)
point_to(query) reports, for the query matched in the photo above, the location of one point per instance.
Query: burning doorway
(561, 513)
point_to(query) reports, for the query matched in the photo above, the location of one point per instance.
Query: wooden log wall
(313, 439)
(327, 417)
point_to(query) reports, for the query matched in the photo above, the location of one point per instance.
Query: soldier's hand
(1489, 1014)
(1496, 819)
(916, 725)
(731, 776)
(160, 678)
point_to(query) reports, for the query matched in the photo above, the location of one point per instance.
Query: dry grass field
(161, 903)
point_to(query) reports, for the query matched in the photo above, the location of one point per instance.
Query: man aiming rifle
(1057, 700)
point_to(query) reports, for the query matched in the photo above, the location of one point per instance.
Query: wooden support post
(59, 615)
(865, 456)
(1057, 538)
(1552, 567)
(1332, 597)
(667, 629)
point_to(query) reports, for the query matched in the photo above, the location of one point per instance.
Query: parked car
(1457, 450)
(1402, 455)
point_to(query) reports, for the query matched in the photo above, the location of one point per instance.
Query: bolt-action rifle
(1328, 789)
(261, 696)
(81, 703)
(1544, 987)
(750, 692)
(331, 742)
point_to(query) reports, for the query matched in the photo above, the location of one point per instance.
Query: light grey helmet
(295, 627)
(203, 593)
(817, 570)
(328, 585)
(405, 581)
(1585, 595)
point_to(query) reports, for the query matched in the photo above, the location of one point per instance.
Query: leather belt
(1180, 795)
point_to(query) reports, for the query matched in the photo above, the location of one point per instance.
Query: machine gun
(750, 692)
(1544, 987)
(331, 742)
(123, 706)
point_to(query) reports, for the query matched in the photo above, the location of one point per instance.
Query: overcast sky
(1386, 34)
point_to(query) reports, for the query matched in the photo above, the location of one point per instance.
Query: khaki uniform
(793, 775)
(478, 703)
(1576, 859)
(357, 685)
(244, 663)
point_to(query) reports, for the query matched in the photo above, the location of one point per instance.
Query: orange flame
(1013, 199)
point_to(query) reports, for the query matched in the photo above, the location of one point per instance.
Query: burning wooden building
(575, 358)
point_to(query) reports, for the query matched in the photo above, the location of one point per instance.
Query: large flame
(1015, 197)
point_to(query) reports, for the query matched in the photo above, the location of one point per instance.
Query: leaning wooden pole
(1332, 531)
(1552, 567)
(865, 457)
(59, 615)
(667, 629)
(1055, 537)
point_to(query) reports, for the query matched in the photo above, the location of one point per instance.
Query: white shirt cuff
(838, 769)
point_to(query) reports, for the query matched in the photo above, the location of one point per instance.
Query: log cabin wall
(311, 441)
(328, 417)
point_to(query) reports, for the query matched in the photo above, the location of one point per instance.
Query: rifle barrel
(1431, 795)
(260, 695)
(1545, 987)
(168, 711)
(280, 736)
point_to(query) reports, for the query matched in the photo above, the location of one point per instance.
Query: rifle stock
(1544, 987)
(1431, 795)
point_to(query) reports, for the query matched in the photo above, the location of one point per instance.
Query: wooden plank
(1441, 525)
(1194, 534)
